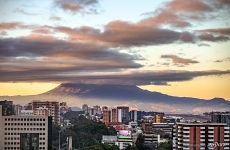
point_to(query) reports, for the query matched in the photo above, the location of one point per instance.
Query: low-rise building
(123, 139)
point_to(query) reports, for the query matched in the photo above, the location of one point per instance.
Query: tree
(140, 142)
(87, 133)
(165, 146)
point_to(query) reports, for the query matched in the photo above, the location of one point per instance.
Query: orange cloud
(75, 5)
(7, 26)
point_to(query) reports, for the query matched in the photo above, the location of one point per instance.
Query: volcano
(133, 95)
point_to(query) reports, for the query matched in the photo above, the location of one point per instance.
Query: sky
(175, 47)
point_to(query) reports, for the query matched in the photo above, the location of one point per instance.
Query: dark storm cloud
(132, 78)
(34, 56)
(16, 47)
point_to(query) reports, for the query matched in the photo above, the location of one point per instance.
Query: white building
(22, 131)
(26, 113)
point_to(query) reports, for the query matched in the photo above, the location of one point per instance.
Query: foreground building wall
(25, 132)
(201, 136)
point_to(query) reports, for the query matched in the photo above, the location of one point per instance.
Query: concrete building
(104, 108)
(27, 113)
(109, 139)
(25, 132)
(106, 116)
(52, 106)
(42, 111)
(17, 109)
(201, 136)
(97, 110)
(167, 128)
(152, 140)
(114, 115)
(123, 114)
(155, 133)
(85, 108)
(63, 108)
(7, 108)
(124, 139)
(133, 115)
(159, 118)
(220, 117)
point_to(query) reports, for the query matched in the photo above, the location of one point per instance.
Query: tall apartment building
(63, 108)
(97, 110)
(106, 116)
(7, 108)
(220, 117)
(85, 108)
(18, 132)
(52, 107)
(42, 111)
(159, 118)
(133, 115)
(201, 136)
(17, 109)
(114, 115)
(123, 114)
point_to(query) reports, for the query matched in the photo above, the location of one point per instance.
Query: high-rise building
(97, 110)
(42, 111)
(104, 108)
(198, 136)
(159, 118)
(114, 115)
(17, 109)
(140, 115)
(94, 111)
(63, 108)
(85, 108)
(220, 117)
(106, 116)
(133, 115)
(123, 114)
(18, 132)
(52, 106)
(7, 108)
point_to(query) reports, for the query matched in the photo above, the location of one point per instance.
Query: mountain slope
(133, 96)
(130, 94)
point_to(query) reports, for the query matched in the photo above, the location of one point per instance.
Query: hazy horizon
(175, 47)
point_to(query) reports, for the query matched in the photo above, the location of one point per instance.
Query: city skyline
(174, 47)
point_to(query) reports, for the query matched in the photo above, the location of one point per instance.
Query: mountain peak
(133, 96)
